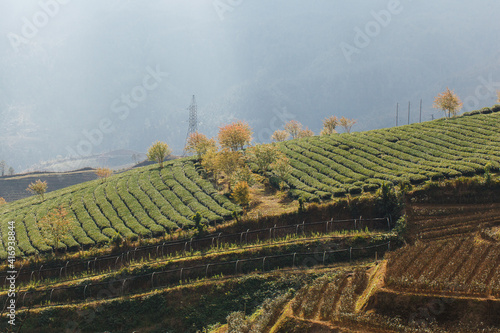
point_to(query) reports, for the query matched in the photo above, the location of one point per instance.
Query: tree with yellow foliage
(103, 173)
(263, 155)
(293, 127)
(449, 102)
(280, 136)
(38, 188)
(329, 125)
(229, 162)
(158, 152)
(55, 225)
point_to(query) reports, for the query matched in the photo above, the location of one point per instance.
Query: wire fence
(184, 246)
(161, 279)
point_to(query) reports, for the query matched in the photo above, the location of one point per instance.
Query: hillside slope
(326, 166)
(144, 202)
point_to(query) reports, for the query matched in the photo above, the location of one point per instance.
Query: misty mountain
(88, 77)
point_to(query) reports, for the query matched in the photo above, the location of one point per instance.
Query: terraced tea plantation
(326, 166)
(145, 202)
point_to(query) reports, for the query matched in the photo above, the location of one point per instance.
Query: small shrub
(495, 108)
(400, 227)
(116, 241)
(241, 194)
(237, 323)
(301, 205)
(355, 190)
(485, 110)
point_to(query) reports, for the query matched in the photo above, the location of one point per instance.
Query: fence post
(293, 261)
(236, 267)
(123, 285)
(303, 227)
(24, 296)
(324, 255)
(66, 268)
(40, 273)
(388, 224)
(50, 297)
(152, 280)
(191, 245)
(246, 237)
(84, 290)
(206, 271)
(350, 254)
(264, 264)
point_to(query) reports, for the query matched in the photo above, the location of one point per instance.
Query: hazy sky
(90, 76)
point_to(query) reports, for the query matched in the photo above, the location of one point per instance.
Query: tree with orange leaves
(449, 102)
(199, 144)
(305, 133)
(346, 124)
(235, 136)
